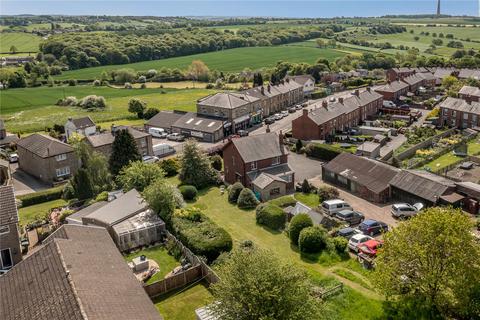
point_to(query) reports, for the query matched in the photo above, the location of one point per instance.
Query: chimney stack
(280, 138)
(325, 104)
(369, 89)
(305, 112)
(268, 129)
(357, 92)
(340, 100)
(262, 90)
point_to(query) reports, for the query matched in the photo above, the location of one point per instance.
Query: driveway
(24, 183)
(305, 168)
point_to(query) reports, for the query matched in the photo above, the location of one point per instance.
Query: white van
(158, 132)
(163, 150)
(331, 207)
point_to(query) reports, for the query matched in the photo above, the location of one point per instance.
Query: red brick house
(459, 113)
(399, 73)
(393, 90)
(469, 93)
(263, 157)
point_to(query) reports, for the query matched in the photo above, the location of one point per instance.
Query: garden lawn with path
(38, 211)
(449, 158)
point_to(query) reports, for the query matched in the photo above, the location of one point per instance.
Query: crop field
(233, 60)
(33, 109)
(23, 41)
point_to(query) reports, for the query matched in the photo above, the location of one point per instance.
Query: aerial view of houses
(216, 160)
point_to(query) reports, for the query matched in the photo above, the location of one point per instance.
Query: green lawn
(160, 255)
(38, 211)
(32, 109)
(23, 41)
(309, 199)
(181, 304)
(356, 302)
(232, 60)
(449, 158)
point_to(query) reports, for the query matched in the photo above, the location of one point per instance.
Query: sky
(245, 8)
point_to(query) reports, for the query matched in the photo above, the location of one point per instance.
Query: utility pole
(438, 7)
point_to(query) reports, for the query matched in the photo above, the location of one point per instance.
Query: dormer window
(61, 157)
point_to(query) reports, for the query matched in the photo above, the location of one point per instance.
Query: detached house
(84, 126)
(10, 251)
(46, 158)
(259, 162)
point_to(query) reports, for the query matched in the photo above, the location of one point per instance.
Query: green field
(23, 41)
(32, 109)
(233, 60)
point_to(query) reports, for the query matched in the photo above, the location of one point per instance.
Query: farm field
(23, 41)
(232, 60)
(33, 109)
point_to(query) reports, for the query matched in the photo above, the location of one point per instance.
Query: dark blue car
(372, 227)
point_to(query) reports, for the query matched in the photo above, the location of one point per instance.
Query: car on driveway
(270, 120)
(347, 232)
(175, 137)
(372, 227)
(405, 210)
(150, 159)
(278, 116)
(331, 207)
(292, 110)
(356, 240)
(370, 247)
(242, 133)
(349, 216)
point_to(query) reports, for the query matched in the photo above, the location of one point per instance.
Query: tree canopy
(195, 168)
(139, 175)
(124, 150)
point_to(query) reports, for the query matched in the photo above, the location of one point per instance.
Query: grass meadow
(23, 41)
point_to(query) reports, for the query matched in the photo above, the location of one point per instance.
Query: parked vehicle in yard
(150, 159)
(278, 116)
(349, 216)
(331, 207)
(163, 150)
(175, 137)
(347, 232)
(12, 157)
(389, 104)
(373, 227)
(158, 133)
(405, 106)
(242, 133)
(270, 120)
(405, 210)
(370, 247)
(356, 240)
(292, 110)
(284, 113)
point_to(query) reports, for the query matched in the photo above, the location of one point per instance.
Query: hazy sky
(275, 8)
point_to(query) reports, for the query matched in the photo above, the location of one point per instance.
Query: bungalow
(84, 126)
(203, 128)
(366, 177)
(469, 93)
(10, 251)
(46, 158)
(77, 274)
(265, 169)
(164, 120)
(459, 113)
(393, 90)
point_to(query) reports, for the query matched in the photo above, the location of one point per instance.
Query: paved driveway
(24, 183)
(305, 168)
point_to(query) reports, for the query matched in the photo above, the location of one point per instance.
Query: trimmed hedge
(312, 239)
(322, 151)
(234, 191)
(284, 201)
(297, 224)
(200, 234)
(41, 196)
(246, 199)
(271, 216)
(188, 192)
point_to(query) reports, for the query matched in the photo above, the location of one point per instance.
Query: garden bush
(297, 224)
(72, 82)
(247, 199)
(216, 162)
(284, 201)
(170, 166)
(200, 234)
(271, 216)
(322, 151)
(188, 192)
(234, 191)
(102, 196)
(327, 193)
(312, 239)
(41, 196)
(340, 244)
(306, 187)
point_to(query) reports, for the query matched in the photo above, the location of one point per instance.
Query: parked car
(331, 207)
(150, 159)
(404, 106)
(405, 210)
(242, 133)
(278, 116)
(332, 99)
(349, 216)
(370, 247)
(284, 113)
(175, 137)
(389, 104)
(292, 110)
(356, 240)
(373, 227)
(347, 232)
(12, 157)
(270, 120)
(158, 132)
(298, 107)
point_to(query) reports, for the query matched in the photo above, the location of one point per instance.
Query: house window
(4, 229)
(474, 119)
(143, 143)
(288, 178)
(6, 260)
(445, 112)
(275, 161)
(465, 116)
(274, 191)
(65, 171)
(61, 157)
(454, 114)
(253, 165)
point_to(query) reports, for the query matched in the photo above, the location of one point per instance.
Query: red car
(370, 247)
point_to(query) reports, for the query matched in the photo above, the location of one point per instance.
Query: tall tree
(195, 168)
(137, 106)
(13, 49)
(163, 198)
(124, 150)
(255, 284)
(432, 263)
(198, 70)
(82, 185)
(139, 175)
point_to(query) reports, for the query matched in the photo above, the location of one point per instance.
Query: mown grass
(38, 211)
(352, 277)
(232, 60)
(23, 41)
(308, 199)
(449, 158)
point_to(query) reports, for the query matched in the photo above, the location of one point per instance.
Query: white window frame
(4, 229)
(253, 165)
(61, 172)
(61, 157)
(275, 160)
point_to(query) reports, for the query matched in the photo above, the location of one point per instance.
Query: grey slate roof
(44, 146)
(278, 170)
(196, 122)
(469, 73)
(10, 138)
(82, 123)
(8, 206)
(79, 275)
(165, 119)
(413, 79)
(469, 90)
(394, 86)
(226, 100)
(106, 138)
(372, 174)
(422, 184)
(368, 146)
(77, 216)
(259, 147)
(301, 79)
(265, 179)
(461, 105)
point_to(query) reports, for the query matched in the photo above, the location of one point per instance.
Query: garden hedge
(271, 216)
(41, 196)
(312, 239)
(188, 192)
(200, 234)
(247, 199)
(322, 151)
(234, 191)
(297, 224)
(340, 244)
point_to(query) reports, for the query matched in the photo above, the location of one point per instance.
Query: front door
(5, 259)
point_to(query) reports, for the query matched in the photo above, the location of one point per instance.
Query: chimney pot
(357, 92)
(268, 129)
(340, 100)
(325, 104)
(280, 138)
(305, 112)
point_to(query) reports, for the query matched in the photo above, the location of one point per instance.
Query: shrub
(216, 162)
(142, 79)
(271, 216)
(306, 187)
(150, 113)
(209, 86)
(64, 214)
(72, 82)
(170, 166)
(200, 234)
(234, 191)
(143, 86)
(322, 151)
(284, 201)
(188, 192)
(97, 83)
(298, 146)
(327, 193)
(67, 102)
(92, 102)
(41, 196)
(297, 224)
(247, 199)
(312, 239)
(102, 196)
(340, 244)
(128, 85)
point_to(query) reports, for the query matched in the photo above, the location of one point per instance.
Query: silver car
(175, 137)
(405, 210)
